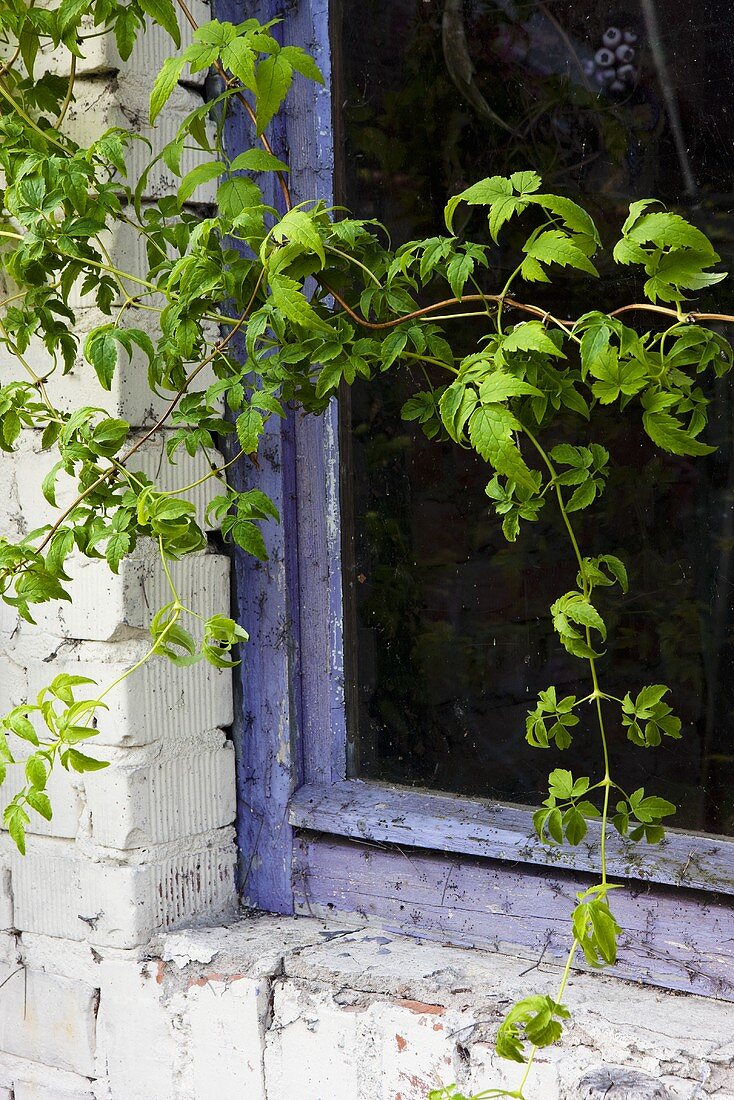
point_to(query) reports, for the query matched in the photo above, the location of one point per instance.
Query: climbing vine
(280, 307)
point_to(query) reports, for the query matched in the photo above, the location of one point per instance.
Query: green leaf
(530, 336)
(667, 432)
(202, 173)
(257, 160)
(80, 762)
(272, 80)
(249, 426)
(554, 247)
(303, 63)
(163, 13)
(289, 298)
(36, 772)
(298, 226)
(237, 194)
(117, 546)
(41, 803)
(491, 430)
(499, 386)
(164, 84)
(239, 57)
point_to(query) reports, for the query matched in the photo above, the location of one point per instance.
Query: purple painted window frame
(313, 841)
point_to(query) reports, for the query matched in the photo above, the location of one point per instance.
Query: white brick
(23, 507)
(151, 47)
(123, 101)
(129, 396)
(28, 1090)
(158, 702)
(48, 1019)
(106, 606)
(56, 893)
(311, 1047)
(225, 1020)
(142, 1053)
(161, 802)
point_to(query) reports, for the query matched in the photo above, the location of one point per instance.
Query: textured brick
(163, 801)
(101, 55)
(123, 101)
(35, 1090)
(160, 702)
(106, 606)
(58, 893)
(129, 397)
(23, 507)
(227, 1015)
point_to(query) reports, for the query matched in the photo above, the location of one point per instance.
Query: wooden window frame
(311, 840)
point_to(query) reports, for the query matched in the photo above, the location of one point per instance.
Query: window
(360, 793)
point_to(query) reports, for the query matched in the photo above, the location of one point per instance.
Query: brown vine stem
(231, 81)
(512, 303)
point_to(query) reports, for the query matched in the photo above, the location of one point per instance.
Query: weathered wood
(677, 939)
(424, 819)
(290, 684)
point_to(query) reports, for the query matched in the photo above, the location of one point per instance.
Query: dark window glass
(448, 630)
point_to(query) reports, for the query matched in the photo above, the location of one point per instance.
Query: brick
(225, 1020)
(59, 893)
(122, 101)
(101, 55)
(129, 396)
(160, 802)
(23, 507)
(311, 1047)
(48, 1019)
(29, 1090)
(143, 1055)
(108, 607)
(158, 702)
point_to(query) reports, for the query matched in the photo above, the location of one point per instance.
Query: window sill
(444, 823)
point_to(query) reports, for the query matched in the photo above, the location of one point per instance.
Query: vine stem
(519, 1094)
(597, 693)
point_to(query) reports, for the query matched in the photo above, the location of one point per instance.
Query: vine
(317, 300)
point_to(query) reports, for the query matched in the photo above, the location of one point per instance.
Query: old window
(381, 717)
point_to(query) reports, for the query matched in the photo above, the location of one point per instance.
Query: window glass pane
(449, 631)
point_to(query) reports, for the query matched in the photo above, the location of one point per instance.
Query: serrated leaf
(163, 13)
(289, 298)
(303, 63)
(272, 79)
(202, 173)
(667, 432)
(531, 336)
(257, 160)
(164, 84)
(249, 426)
(491, 430)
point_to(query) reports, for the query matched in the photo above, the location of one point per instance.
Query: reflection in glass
(450, 636)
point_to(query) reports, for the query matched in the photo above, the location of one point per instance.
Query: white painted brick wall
(23, 506)
(27, 1090)
(106, 607)
(119, 902)
(49, 1019)
(123, 101)
(127, 398)
(185, 795)
(160, 701)
(101, 55)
